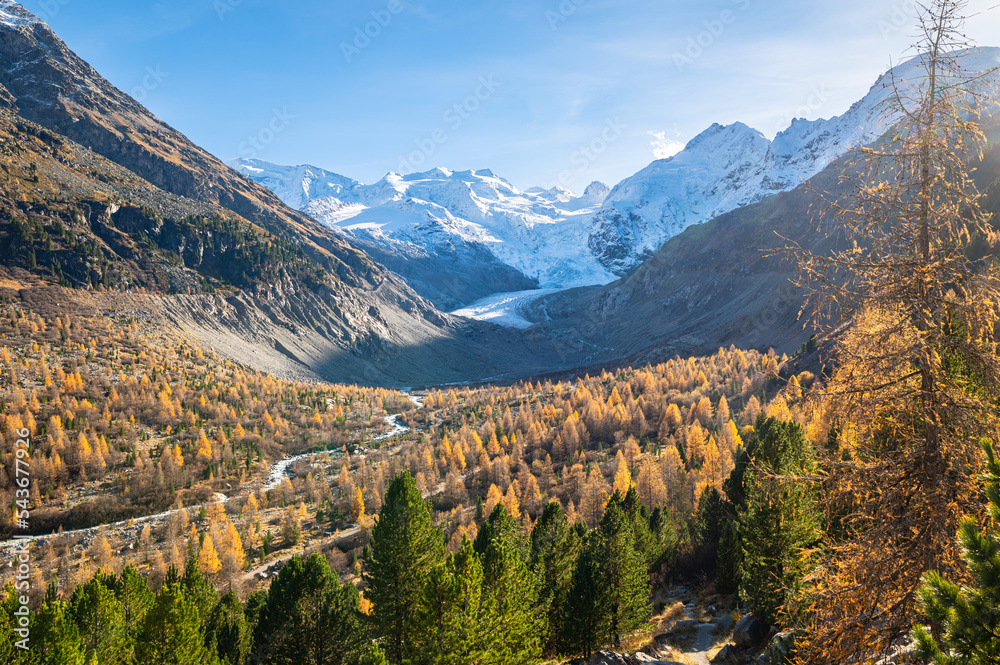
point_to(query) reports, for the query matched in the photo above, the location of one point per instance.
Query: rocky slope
(47, 83)
(99, 194)
(715, 284)
(725, 168)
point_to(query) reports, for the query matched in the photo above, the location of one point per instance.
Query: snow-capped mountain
(460, 236)
(13, 15)
(725, 168)
(476, 233)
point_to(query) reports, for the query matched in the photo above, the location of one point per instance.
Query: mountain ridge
(171, 219)
(474, 223)
(721, 169)
(728, 167)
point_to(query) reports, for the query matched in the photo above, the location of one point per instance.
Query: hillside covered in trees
(836, 506)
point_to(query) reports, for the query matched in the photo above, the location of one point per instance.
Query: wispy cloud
(664, 147)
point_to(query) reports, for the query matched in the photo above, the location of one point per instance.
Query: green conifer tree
(553, 552)
(170, 633)
(645, 543)
(729, 562)
(309, 617)
(253, 607)
(405, 547)
(228, 631)
(609, 592)
(100, 618)
(55, 638)
(779, 519)
(967, 617)
(8, 605)
(447, 625)
(513, 625)
(661, 525)
(135, 596)
(710, 520)
(199, 589)
(624, 573)
(585, 620)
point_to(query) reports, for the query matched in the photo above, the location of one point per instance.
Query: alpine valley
(256, 414)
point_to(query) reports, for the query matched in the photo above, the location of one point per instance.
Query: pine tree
(405, 547)
(625, 582)
(645, 543)
(967, 617)
(779, 519)
(308, 617)
(584, 627)
(663, 529)
(170, 633)
(447, 626)
(198, 588)
(100, 618)
(228, 631)
(710, 520)
(553, 552)
(729, 561)
(509, 598)
(8, 622)
(134, 595)
(55, 638)
(609, 592)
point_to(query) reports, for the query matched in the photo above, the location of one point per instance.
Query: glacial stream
(273, 478)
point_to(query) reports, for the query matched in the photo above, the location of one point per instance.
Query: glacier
(477, 225)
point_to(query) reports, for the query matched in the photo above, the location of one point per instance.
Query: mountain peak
(434, 174)
(13, 15)
(597, 190)
(719, 132)
(729, 166)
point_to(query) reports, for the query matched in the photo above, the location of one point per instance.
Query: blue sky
(544, 93)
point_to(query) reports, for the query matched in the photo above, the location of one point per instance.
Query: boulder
(729, 653)
(724, 624)
(662, 638)
(608, 657)
(749, 631)
(780, 648)
(686, 624)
